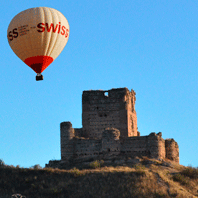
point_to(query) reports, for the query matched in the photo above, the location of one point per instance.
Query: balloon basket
(39, 77)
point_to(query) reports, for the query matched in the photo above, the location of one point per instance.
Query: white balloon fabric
(37, 36)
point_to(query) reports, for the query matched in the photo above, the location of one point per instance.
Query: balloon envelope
(37, 36)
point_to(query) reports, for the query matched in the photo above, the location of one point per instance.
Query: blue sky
(148, 46)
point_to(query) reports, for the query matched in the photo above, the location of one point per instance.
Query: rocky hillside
(148, 178)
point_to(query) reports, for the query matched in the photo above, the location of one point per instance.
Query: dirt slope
(150, 178)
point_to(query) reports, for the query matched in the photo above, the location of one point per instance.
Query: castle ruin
(109, 128)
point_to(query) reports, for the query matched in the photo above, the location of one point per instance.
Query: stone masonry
(114, 108)
(109, 128)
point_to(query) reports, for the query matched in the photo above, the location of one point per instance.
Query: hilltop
(147, 178)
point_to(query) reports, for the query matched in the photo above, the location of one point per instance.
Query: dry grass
(188, 179)
(153, 181)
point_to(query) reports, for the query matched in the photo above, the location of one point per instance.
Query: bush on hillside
(96, 164)
(190, 172)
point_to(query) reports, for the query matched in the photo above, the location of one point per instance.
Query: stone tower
(172, 150)
(113, 108)
(67, 134)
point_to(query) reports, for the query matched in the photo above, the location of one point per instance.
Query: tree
(2, 163)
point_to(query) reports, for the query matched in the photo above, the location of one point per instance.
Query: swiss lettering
(15, 33)
(53, 28)
(10, 37)
(41, 26)
(23, 30)
(12, 34)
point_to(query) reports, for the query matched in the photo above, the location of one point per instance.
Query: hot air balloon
(37, 36)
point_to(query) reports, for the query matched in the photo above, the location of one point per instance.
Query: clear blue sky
(148, 46)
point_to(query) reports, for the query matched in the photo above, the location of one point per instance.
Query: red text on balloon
(61, 29)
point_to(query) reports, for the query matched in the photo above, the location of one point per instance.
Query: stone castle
(109, 128)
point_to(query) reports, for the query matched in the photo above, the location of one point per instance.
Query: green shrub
(95, 164)
(76, 172)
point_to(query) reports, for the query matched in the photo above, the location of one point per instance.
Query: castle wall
(79, 132)
(110, 141)
(131, 114)
(152, 146)
(86, 147)
(134, 146)
(156, 145)
(172, 150)
(112, 110)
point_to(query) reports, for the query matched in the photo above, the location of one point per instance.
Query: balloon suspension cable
(39, 76)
